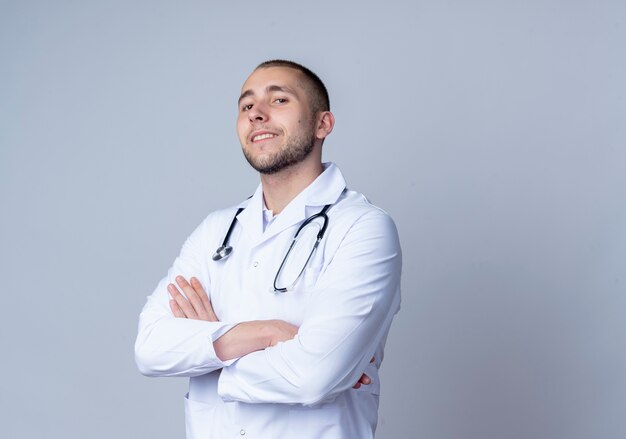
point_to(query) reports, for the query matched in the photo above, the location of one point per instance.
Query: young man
(281, 337)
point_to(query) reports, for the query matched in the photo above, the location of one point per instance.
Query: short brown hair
(315, 88)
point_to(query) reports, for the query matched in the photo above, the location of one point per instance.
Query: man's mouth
(263, 136)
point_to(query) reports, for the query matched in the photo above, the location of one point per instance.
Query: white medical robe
(343, 304)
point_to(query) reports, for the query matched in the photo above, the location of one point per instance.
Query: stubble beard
(295, 151)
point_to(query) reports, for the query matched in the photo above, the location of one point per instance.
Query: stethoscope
(224, 250)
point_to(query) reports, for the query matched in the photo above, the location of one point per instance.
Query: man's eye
(280, 100)
(246, 107)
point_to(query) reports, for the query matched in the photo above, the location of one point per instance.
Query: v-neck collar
(325, 189)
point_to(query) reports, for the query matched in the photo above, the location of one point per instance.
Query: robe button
(242, 432)
(255, 264)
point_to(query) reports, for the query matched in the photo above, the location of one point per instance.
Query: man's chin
(266, 167)
(268, 163)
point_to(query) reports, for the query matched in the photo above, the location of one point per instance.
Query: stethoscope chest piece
(222, 252)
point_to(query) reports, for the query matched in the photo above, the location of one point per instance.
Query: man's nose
(257, 114)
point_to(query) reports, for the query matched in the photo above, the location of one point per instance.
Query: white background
(492, 131)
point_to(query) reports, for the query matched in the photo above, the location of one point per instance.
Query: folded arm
(170, 346)
(179, 332)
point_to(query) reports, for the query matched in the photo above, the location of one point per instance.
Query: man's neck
(280, 188)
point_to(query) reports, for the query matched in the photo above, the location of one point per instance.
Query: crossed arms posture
(344, 323)
(243, 338)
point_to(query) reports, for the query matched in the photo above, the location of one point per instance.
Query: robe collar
(325, 189)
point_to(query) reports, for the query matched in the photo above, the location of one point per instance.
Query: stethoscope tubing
(225, 250)
(320, 235)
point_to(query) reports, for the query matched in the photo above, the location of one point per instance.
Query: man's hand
(277, 331)
(247, 337)
(364, 378)
(196, 306)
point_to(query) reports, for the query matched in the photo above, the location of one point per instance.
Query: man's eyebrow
(282, 88)
(269, 88)
(245, 94)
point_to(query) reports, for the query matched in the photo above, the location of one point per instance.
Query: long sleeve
(347, 318)
(169, 346)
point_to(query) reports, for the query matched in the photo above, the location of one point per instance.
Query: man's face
(275, 125)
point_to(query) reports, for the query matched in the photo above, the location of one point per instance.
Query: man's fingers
(176, 309)
(204, 298)
(193, 298)
(195, 304)
(363, 380)
(184, 305)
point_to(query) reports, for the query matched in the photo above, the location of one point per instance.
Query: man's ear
(325, 124)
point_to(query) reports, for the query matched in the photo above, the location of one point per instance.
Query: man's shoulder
(359, 227)
(354, 214)
(354, 205)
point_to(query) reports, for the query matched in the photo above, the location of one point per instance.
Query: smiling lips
(263, 136)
